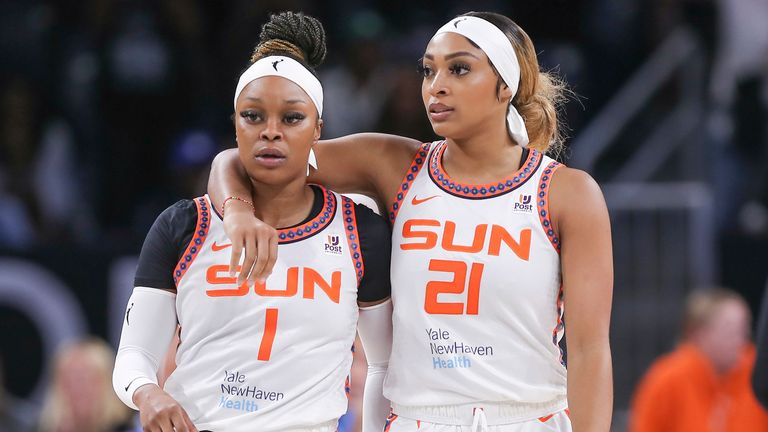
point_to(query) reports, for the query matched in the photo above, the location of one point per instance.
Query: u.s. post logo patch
(523, 204)
(332, 244)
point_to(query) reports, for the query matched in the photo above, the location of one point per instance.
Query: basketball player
(492, 242)
(274, 355)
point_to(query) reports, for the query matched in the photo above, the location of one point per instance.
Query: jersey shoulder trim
(353, 237)
(198, 238)
(418, 161)
(542, 203)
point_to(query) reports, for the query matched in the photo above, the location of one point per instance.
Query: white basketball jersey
(272, 356)
(476, 288)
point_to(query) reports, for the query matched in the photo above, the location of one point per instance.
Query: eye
(294, 117)
(251, 116)
(459, 69)
(424, 70)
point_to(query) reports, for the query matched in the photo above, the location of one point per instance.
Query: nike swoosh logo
(217, 248)
(417, 201)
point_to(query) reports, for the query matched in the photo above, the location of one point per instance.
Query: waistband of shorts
(496, 413)
(329, 426)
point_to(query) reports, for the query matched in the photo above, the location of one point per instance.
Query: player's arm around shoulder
(580, 217)
(371, 164)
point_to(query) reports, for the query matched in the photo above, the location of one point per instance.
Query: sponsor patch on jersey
(523, 204)
(332, 244)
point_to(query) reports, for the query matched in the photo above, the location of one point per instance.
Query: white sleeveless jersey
(476, 288)
(273, 356)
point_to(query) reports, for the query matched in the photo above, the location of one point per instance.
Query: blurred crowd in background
(111, 110)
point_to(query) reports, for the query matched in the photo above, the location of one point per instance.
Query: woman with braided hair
(492, 242)
(273, 355)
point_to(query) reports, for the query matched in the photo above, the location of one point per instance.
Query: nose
(272, 130)
(438, 85)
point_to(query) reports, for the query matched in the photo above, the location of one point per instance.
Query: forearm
(375, 330)
(227, 178)
(148, 327)
(590, 388)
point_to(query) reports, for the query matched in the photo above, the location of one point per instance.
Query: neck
(282, 205)
(485, 156)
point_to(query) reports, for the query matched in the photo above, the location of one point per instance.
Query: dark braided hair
(294, 35)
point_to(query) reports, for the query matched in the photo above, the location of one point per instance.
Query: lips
(439, 112)
(269, 157)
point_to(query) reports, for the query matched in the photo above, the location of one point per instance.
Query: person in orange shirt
(704, 384)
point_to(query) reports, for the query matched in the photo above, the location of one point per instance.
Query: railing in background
(663, 231)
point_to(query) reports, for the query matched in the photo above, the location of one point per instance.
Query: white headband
(500, 52)
(289, 69)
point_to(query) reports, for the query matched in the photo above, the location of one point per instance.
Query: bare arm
(370, 164)
(581, 217)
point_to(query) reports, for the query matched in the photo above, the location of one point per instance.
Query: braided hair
(294, 35)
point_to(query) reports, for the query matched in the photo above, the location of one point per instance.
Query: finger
(188, 421)
(262, 256)
(179, 423)
(234, 258)
(250, 258)
(164, 425)
(272, 256)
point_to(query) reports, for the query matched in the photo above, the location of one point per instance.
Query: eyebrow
(452, 55)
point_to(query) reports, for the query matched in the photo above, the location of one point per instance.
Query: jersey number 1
(270, 328)
(456, 286)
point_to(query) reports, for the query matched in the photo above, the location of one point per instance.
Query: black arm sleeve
(760, 371)
(165, 244)
(376, 248)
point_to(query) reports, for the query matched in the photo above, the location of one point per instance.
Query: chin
(443, 129)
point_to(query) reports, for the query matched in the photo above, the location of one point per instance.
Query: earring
(312, 161)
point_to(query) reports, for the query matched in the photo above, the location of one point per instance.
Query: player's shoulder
(176, 220)
(571, 184)
(180, 211)
(368, 219)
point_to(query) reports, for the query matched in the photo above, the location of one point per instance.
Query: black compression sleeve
(165, 244)
(375, 245)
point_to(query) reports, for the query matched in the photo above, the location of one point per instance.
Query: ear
(318, 130)
(505, 93)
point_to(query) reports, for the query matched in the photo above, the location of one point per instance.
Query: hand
(258, 239)
(159, 412)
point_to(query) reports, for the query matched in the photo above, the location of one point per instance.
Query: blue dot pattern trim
(490, 190)
(195, 245)
(410, 175)
(353, 238)
(542, 203)
(290, 235)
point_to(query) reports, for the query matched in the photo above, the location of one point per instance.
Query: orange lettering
(477, 242)
(473, 289)
(212, 277)
(430, 238)
(521, 249)
(312, 278)
(456, 286)
(270, 329)
(291, 286)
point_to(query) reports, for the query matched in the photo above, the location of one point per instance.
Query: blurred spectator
(80, 397)
(703, 385)
(739, 118)
(355, 90)
(38, 181)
